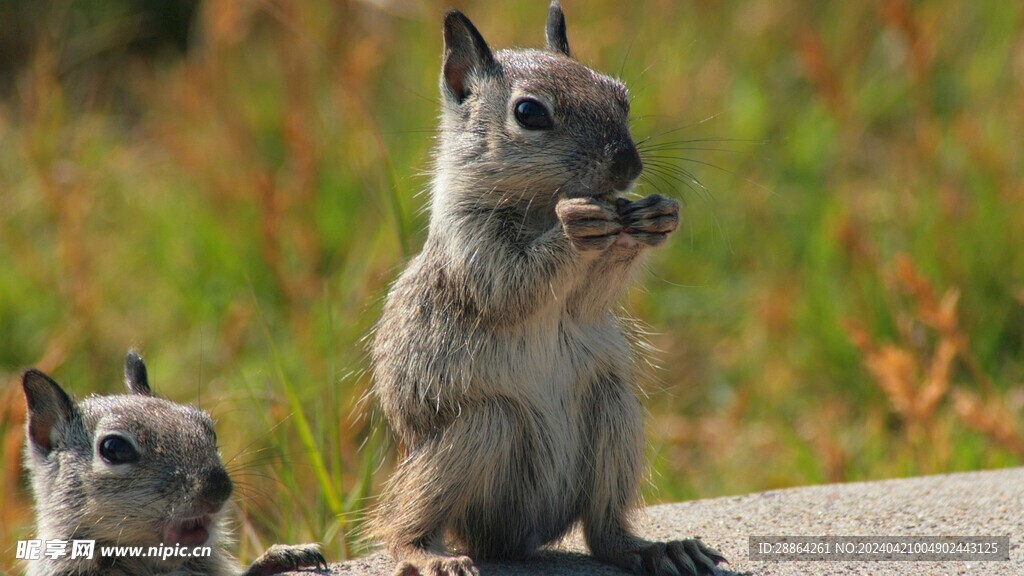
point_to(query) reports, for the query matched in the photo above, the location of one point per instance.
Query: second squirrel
(132, 471)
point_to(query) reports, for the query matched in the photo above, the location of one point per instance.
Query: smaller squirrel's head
(130, 469)
(531, 124)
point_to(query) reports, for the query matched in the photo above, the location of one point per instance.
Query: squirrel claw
(676, 558)
(695, 556)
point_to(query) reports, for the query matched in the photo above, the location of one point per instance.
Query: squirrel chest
(444, 352)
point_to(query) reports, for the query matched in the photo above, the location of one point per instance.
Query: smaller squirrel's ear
(465, 53)
(135, 377)
(48, 404)
(555, 30)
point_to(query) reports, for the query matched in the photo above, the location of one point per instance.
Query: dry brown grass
(929, 376)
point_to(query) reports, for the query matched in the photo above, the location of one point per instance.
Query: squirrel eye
(532, 115)
(118, 450)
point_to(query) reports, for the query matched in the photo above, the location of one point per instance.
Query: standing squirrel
(498, 359)
(132, 470)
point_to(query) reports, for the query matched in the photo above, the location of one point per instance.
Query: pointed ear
(555, 30)
(135, 377)
(48, 405)
(465, 54)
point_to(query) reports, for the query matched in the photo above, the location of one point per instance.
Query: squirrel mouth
(188, 532)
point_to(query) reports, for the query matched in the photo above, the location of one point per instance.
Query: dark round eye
(532, 115)
(118, 450)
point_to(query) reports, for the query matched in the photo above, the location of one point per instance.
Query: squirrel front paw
(590, 224)
(649, 220)
(287, 558)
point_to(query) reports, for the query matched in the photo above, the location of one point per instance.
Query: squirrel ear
(555, 30)
(135, 377)
(48, 404)
(465, 53)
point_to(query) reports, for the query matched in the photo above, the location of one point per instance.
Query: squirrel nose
(216, 488)
(626, 166)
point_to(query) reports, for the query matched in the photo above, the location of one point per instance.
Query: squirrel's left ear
(466, 55)
(135, 377)
(49, 409)
(555, 30)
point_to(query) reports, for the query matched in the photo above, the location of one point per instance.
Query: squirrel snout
(216, 489)
(626, 166)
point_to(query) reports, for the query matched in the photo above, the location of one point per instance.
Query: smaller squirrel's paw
(287, 558)
(649, 220)
(438, 566)
(591, 225)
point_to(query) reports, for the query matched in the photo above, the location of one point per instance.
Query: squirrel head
(530, 124)
(133, 469)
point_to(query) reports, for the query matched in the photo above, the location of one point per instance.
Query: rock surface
(971, 504)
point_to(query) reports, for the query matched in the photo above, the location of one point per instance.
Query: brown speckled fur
(498, 359)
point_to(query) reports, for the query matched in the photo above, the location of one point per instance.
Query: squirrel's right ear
(465, 54)
(555, 30)
(135, 377)
(48, 404)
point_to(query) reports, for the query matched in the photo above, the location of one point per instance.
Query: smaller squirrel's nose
(216, 488)
(626, 166)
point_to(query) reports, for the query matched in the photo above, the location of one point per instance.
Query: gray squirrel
(498, 359)
(132, 470)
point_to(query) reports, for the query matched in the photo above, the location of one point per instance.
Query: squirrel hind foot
(679, 557)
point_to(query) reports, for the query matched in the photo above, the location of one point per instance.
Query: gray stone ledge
(987, 503)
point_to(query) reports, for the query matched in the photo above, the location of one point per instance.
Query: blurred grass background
(231, 184)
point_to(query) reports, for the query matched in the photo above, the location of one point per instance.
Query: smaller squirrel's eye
(118, 450)
(532, 115)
